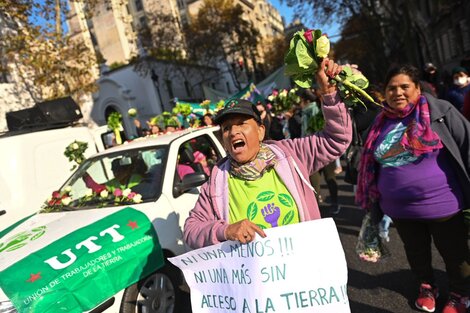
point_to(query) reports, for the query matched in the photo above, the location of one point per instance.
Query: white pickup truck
(33, 164)
(103, 249)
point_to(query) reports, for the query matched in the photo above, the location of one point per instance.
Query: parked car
(100, 233)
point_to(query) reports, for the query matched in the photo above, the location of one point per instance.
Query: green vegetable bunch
(75, 152)
(206, 105)
(132, 112)
(306, 51)
(316, 123)
(183, 109)
(283, 100)
(114, 123)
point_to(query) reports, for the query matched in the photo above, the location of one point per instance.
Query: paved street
(382, 287)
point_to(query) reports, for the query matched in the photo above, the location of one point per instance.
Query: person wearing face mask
(415, 168)
(253, 169)
(460, 86)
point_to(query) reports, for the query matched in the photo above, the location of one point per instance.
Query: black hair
(306, 94)
(405, 69)
(206, 114)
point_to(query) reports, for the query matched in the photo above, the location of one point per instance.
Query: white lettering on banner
(131, 245)
(55, 264)
(87, 243)
(113, 233)
(296, 268)
(37, 294)
(98, 264)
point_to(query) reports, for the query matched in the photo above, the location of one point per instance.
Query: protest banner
(296, 268)
(72, 262)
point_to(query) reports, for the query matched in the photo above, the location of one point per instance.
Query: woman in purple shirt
(415, 169)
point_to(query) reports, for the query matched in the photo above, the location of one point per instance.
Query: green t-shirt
(134, 180)
(265, 201)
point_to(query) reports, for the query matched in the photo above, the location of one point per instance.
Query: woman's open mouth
(238, 145)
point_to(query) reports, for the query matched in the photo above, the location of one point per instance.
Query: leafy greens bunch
(306, 51)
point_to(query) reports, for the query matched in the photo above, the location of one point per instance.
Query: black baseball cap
(237, 106)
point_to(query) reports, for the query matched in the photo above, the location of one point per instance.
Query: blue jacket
(455, 95)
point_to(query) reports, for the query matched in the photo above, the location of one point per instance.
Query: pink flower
(308, 36)
(117, 192)
(131, 195)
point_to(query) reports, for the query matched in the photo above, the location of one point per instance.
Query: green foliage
(283, 100)
(316, 123)
(302, 62)
(50, 62)
(116, 65)
(114, 120)
(219, 33)
(206, 104)
(75, 152)
(182, 108)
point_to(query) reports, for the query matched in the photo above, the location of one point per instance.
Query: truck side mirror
(189, 181)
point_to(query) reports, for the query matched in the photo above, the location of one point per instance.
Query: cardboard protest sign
(296, 268)
(71, 262)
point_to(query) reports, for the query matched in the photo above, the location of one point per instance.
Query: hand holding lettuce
(306, 51)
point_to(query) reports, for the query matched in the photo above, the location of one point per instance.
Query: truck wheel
(158, 293)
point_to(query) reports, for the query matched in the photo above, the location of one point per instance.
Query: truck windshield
(127, 177)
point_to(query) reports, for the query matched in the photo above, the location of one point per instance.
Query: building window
(465, 34)
(169, 87)
(439, 50)
(180, 4)
(227, 84)
(445, 46)
(453, 44)
(93, 39)
(4, 77)
(138, 5)
(142, 22)
(188, 88)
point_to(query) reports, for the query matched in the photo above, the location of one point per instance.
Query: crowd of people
(412, 171)
(412, 167)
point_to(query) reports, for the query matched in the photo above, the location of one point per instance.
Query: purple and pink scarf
(418, 139)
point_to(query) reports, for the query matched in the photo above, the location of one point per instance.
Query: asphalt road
(383, 287)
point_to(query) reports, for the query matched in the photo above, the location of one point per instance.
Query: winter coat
(454, 131)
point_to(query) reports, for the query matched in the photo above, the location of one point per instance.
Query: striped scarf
(418, 139)
(265, 159)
